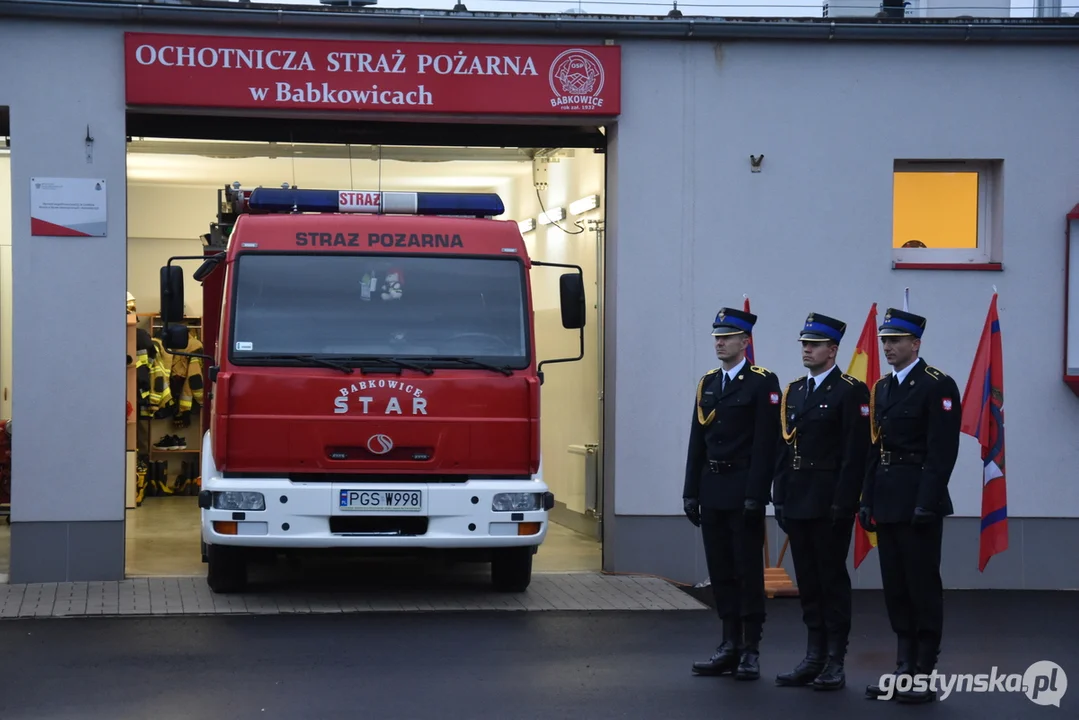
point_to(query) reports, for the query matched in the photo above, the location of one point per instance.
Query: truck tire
(511, 569)
(227, 572)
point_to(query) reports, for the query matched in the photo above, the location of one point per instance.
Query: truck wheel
(228, 569)
(511, 569)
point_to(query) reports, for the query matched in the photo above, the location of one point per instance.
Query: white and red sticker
(865, 410)
(946, 403)
(773, 398)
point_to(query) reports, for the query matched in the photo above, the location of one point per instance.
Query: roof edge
(236, 15)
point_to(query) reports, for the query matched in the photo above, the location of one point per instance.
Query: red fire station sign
(383, 77)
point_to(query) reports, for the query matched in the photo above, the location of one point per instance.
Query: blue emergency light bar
(375, 202)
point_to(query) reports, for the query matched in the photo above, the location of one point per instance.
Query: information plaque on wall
(67, 207)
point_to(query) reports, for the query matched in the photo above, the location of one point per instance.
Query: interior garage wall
(694, 229)
(570, 393)
(68, 298)
(166, 221)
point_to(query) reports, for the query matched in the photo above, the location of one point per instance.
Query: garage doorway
(555, 193)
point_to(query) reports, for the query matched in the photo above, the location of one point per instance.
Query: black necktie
(809, 387)
(723, 383)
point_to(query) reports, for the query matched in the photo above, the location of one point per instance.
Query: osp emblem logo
(379, 444)
(576, 78)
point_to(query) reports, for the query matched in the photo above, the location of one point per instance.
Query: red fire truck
(373, 380)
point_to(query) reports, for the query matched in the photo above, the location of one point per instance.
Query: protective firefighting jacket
(160, 395)
(145, 354)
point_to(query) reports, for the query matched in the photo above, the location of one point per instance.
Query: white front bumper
(298, 515)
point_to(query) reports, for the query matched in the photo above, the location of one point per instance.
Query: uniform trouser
(734, 551)
(910, 574)
(819, 550)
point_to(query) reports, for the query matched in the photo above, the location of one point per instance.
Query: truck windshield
(360, 306)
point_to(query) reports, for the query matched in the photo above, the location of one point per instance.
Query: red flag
(749, 347)
(865, 365)
(983, 419)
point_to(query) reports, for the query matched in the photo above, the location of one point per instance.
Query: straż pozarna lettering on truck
(374, 384)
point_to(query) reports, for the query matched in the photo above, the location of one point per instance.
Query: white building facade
(750, 159)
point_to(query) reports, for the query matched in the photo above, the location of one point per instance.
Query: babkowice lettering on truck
(412, 396)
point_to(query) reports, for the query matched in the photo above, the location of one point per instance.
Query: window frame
(988, 255)
(246, 360)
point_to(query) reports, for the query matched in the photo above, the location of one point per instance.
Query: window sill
(988, 267)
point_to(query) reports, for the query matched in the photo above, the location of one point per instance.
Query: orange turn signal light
(528, 528)
(224, 527)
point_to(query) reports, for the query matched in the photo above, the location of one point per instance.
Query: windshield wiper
(476, 363)
(391, 361)
(306, 360)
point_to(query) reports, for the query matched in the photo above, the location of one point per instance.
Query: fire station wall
(5, 286)
(68, 306)
(691, 229)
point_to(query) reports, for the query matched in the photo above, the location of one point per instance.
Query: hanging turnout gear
(186, 381)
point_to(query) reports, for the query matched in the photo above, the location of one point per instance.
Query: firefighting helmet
(130, 303)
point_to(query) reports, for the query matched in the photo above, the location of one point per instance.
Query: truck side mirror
(571, 295)
(207, 267)
(175, 337)
(172, 294)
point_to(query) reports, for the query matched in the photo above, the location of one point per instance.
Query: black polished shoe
(725, 659)
(811, 665)
(749, 663)
(928, 651)
(905, 665)
(833, 677)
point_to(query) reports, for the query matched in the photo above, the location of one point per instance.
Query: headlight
(239, 501)
(515, 502)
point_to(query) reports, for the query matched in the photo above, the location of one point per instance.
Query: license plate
(382, 500)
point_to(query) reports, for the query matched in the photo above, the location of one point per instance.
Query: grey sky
(730, 8)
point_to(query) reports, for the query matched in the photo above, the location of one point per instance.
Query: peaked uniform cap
(733, 322)
(821, 328)
(898, 323)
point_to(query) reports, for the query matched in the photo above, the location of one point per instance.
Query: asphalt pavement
(509, 666)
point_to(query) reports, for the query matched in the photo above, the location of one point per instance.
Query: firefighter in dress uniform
(915, 413)
(826, 434)
(733, 442)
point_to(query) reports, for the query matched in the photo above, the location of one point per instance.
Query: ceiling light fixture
(552, 216)
(579, 207)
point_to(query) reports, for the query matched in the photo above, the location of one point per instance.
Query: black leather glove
(923, 516)
(692, 510)
(752, 508)
(780, 520)
(865, 519)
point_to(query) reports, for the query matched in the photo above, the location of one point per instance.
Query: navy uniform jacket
(915, 435)
(827, 437)
(739, 431)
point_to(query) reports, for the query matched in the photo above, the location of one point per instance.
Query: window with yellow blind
(946, 214)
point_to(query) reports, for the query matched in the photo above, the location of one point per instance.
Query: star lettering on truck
(369, 397)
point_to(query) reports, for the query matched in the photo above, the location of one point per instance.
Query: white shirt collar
(733, 372)
(902, 374)
(818, 379)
